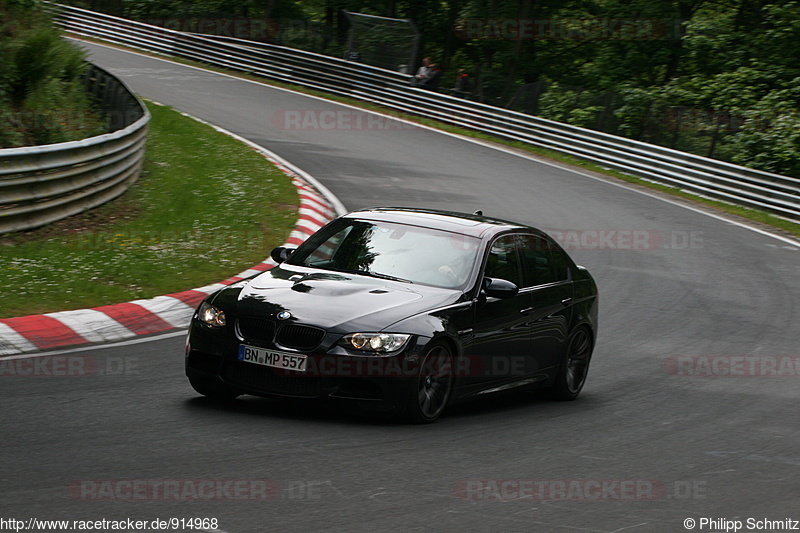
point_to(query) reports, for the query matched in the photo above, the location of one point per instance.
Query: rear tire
(213, 390)
(574, 367)
(433, 386)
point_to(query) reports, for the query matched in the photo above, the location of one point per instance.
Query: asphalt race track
(690, 409)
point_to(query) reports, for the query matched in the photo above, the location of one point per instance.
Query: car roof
(470, 224)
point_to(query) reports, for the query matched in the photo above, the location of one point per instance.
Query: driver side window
(503, 261)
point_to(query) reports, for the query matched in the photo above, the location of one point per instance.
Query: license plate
(261, 356)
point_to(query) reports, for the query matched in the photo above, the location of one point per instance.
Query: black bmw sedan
(404, 310)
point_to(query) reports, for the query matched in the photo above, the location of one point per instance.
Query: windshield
(394, 251)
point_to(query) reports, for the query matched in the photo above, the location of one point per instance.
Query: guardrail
(43, 184)
(708, 177)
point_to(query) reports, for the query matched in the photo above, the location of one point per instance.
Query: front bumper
(376, 382)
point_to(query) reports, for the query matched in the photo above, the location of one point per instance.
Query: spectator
(422, 74)
(462, 85)
(434, 76)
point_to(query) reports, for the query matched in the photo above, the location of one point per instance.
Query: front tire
(574, 367)
(433, 386)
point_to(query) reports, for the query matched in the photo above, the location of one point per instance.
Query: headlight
(375, 342)
(210, 315)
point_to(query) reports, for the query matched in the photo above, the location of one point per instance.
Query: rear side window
(538, 261)
(561, 262)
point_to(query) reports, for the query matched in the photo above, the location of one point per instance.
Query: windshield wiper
(373, 274)
(385, 276)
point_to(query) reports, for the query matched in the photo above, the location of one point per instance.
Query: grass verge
(205, 208)
(761, 217)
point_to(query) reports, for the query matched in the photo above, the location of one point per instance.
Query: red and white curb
(117, 322)
(110, 323)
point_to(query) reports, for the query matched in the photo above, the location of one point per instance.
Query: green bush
(42, 95)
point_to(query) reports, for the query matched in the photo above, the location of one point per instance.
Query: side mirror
(499, 288)
(281, 254)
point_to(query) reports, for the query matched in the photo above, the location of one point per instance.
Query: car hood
(337, 301)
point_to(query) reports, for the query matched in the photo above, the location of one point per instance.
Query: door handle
(566, 301)
(527, 310)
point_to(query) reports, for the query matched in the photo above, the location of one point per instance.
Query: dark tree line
(714, 77)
